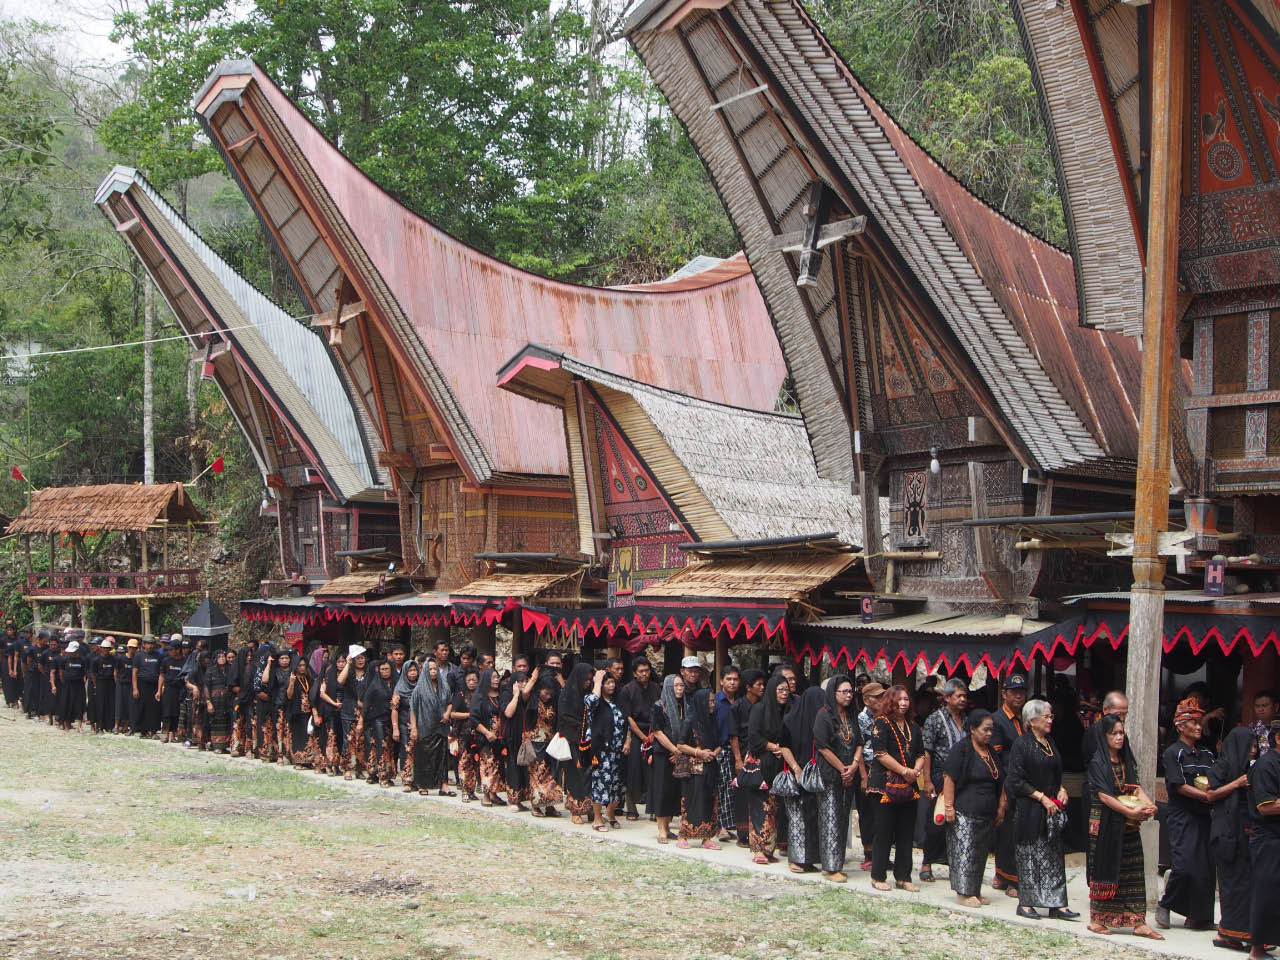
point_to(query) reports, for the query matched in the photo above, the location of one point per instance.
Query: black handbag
(811, 776)
(750, 777)
(785, 785)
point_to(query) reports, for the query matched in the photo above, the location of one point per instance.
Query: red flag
(218, 466)
(17, 474)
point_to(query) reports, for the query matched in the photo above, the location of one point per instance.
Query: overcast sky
(85, 24)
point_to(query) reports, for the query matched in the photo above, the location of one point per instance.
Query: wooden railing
(132, 583)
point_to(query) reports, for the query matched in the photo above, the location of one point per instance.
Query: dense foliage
(523, 127)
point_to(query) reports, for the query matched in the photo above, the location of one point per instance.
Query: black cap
(1016, 682)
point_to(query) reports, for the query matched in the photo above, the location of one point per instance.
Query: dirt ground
(116, 848)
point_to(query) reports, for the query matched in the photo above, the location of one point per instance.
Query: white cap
(108, 643)
(354, 651)
(176, 638)
(690, 663)
(73, 646)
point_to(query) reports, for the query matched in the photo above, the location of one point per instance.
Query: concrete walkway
(1178, 943)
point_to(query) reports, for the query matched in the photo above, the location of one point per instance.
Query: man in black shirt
(148, 688)
(753, 684)
(1008, 720)
(1189, 888)
(635, 699)
(8, 671)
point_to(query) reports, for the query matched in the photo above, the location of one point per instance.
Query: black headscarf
(699, 727)
(1104, 879)
(569, 710)
(1231, 814)
(482, 708)
(800, 719)
(765, 725)
(828, 719)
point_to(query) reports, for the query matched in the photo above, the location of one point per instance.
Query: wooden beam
(241, 144)
(793, 240)
(815, 212)
(399, 459)
(1169, 68)
(439, 451)
(128, 226)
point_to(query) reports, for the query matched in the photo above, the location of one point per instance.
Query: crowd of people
(753, 760)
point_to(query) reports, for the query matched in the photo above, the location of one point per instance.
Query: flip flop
(1149, 935)
(1098, 928)
(601, 827)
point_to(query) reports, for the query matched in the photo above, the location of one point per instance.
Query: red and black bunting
(595, 621)
(813, 642)
(634, 627)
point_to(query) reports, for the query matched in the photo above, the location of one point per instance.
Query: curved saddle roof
(451, 315)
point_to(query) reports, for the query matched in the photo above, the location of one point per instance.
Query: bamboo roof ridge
(734, 473)
(127, 507)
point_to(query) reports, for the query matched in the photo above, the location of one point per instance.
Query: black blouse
(842, 739)
(1032, 768)
(905, 748)
(1264, 786)
(977, 791)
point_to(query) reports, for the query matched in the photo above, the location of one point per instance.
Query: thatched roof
(733, 473)
(110, 506)
(786, 577)
(525, 586)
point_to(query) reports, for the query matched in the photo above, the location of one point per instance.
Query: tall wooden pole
(1146, 610)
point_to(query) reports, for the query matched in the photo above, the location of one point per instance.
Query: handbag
(558, 748)
(939, 810)
(750, 777)
(785, 785)
(899, 791)
(454, 749)
(811, 776)
(526, 754)
(681, 766)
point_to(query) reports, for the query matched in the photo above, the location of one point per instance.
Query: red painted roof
(709, 335)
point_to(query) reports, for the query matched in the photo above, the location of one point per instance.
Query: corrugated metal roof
(291, 357)
(949, 624)
(456, 313)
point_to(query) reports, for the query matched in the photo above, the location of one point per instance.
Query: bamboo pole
(1146, 612)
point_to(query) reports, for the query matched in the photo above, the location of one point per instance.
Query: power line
(139, 343)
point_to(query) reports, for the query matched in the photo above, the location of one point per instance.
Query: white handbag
(558, 748)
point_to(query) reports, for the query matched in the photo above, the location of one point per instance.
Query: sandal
(926, 874)
(1094, 927)
(796, 868)
(551, 812)
(710, 845)
(1142, 930)
(1231, 943)
(761, 859)
(881, 885)
(682, 843)
(664, 839)
(600, 827)
(633, 816)
(538, 813)
(907, 885)
(614, 825)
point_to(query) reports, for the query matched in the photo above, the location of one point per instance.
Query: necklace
(989, 762)
(902, 749)
(846, 731)
(1045, 748)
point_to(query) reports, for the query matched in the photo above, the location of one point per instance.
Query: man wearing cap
(691, 672)
(102, 685)
(354, 678)
(1008, 728)
(31, 674)
(867, 802)
(69, 686)
(124, 687)
(148, 688)
(1191, 883)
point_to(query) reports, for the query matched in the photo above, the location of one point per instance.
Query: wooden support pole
(722, 658)
(1146, 611)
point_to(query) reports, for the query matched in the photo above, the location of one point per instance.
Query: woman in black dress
(1118, 806)
(375, 724)
(575, 772)
(769, 744)
(1033, 781)
(1229, 836)
(219, 701)
(490, 738)
(802, 811)
(896, 742)
(462, 733)
(666, 720)
(103, 678)
(699, 793)
(401, 713)
(973, 806)
(303, 746)
(428, 732)
(838, 743)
